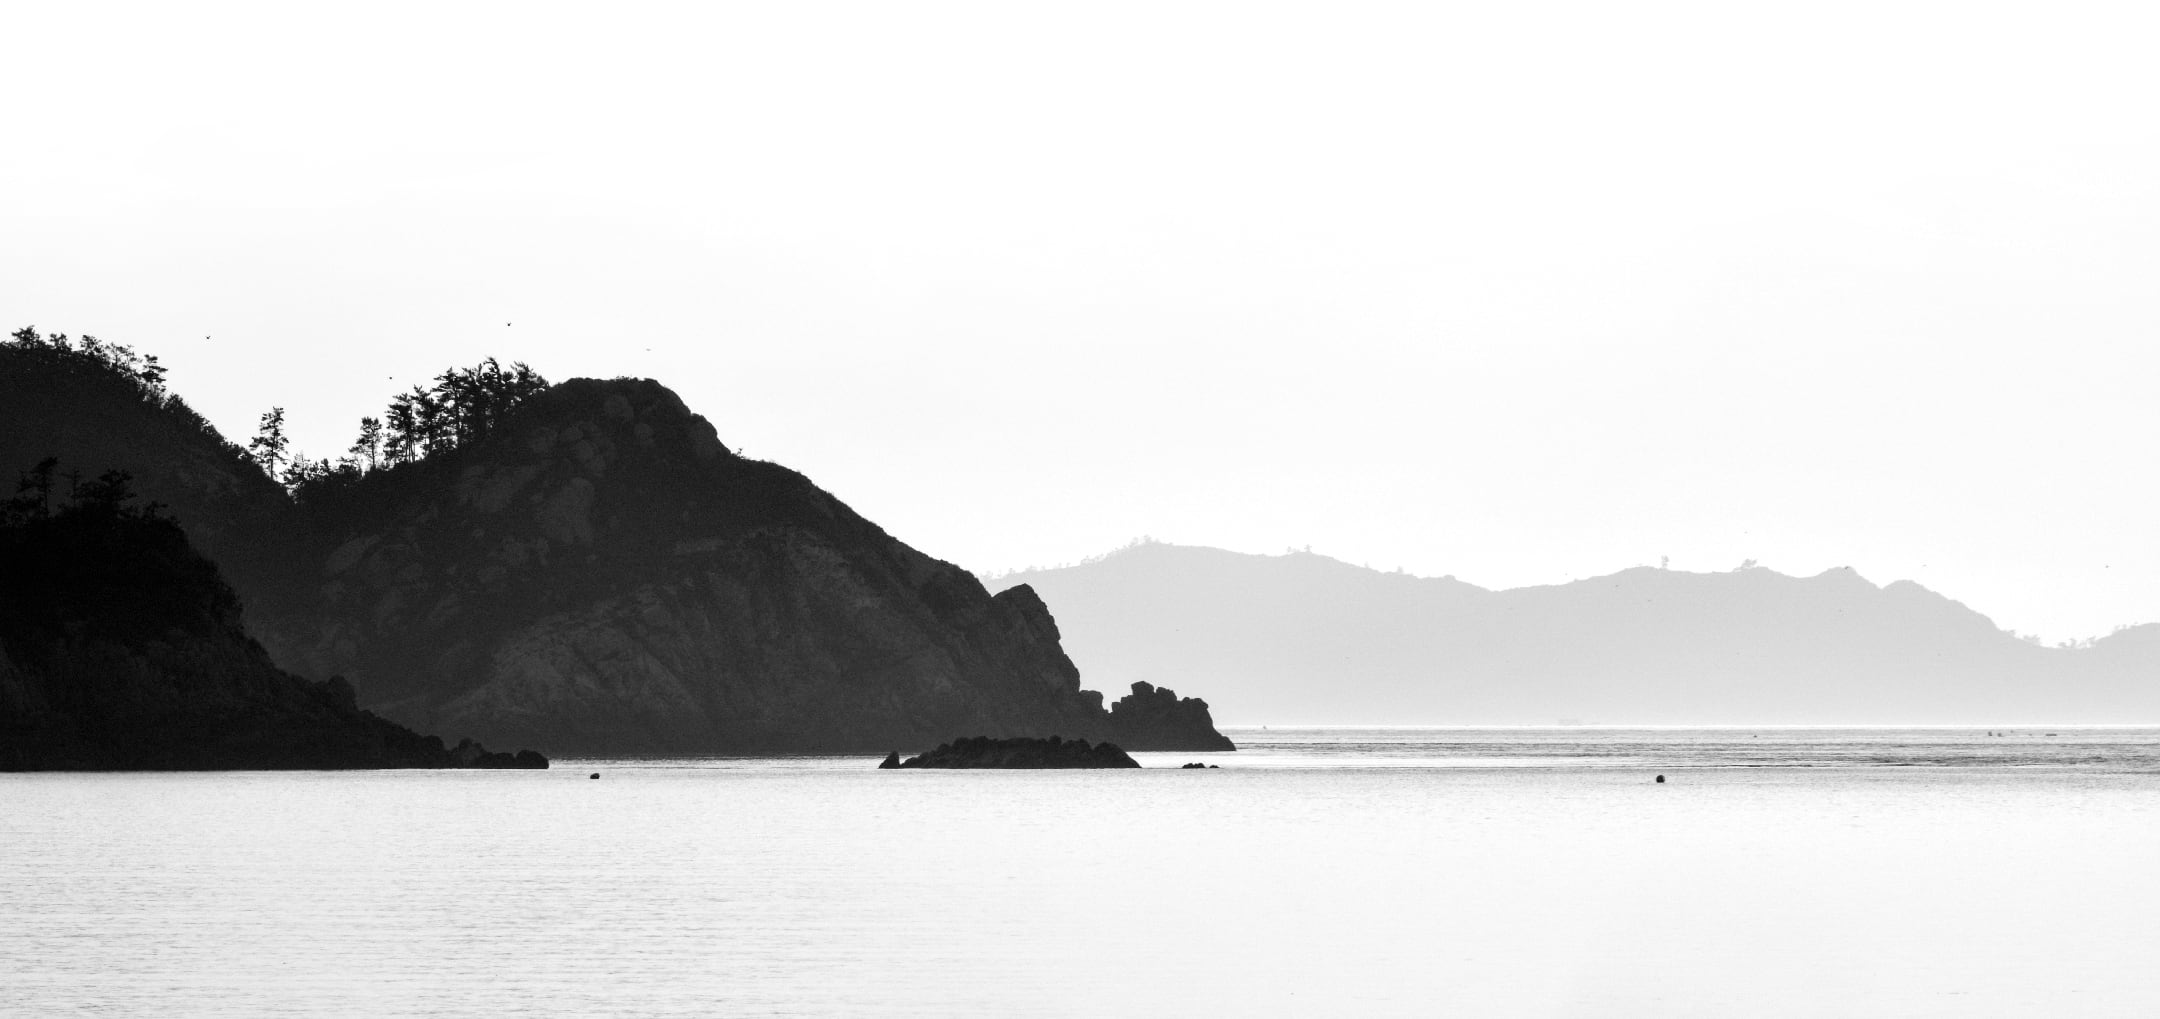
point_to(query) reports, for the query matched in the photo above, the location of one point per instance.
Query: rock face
(602, 576)
(468, 754)
(1051, 752)
(597, 575)
(1151, 716)
(122, 649)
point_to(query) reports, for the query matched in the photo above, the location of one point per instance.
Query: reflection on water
(2084, 748)
(1319, 872)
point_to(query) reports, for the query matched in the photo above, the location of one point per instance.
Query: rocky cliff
(602, 575)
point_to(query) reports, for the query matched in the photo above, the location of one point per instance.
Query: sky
(1518, 293)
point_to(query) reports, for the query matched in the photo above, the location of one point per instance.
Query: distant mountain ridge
(1301, 638)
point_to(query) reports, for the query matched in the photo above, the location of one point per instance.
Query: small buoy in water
(597, 775)
(1660, 778)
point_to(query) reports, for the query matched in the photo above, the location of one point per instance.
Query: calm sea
(1337, 872)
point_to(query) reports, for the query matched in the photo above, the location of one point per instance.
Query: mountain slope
(1303, 638)
(93, 417)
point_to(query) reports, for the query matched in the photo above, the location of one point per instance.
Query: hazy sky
(1518, 292)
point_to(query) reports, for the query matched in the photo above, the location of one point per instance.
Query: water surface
(1317, 872)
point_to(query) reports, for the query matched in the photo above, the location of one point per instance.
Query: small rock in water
(1660, 778)
(892, 760)
(597, 775)
(1022, 752)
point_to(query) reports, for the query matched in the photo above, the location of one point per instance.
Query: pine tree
(403, 427)
(366, 451)
(269, 445)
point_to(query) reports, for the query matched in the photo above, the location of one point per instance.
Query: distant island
(1301, 638)
(582, 567)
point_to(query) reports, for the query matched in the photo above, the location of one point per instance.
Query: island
(1017, 752)
(580, 566)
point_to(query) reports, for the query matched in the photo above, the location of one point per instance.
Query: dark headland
(121, 649)
(582, 567)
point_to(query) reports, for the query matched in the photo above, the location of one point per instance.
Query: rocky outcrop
(1050, 752)
(468, 754)
(1150, 716)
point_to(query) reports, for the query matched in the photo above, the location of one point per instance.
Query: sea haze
(1531, 872)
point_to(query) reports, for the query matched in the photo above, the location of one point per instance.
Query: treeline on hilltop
(117, 364)
(94, 354)
(462, 405)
